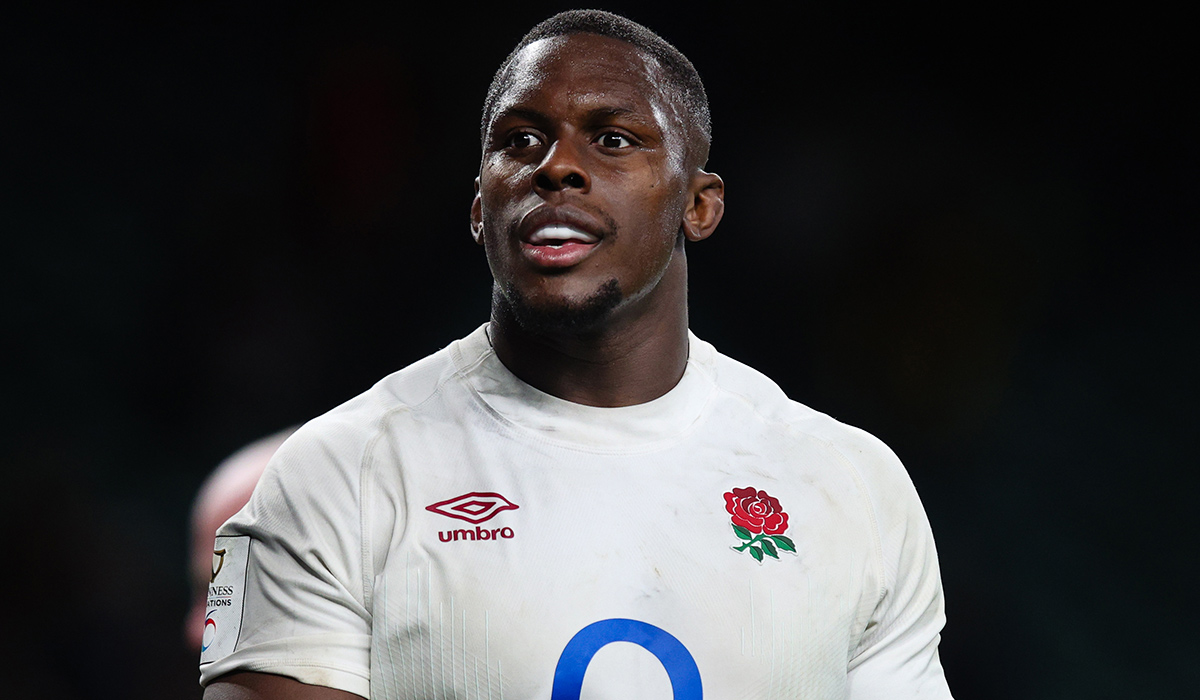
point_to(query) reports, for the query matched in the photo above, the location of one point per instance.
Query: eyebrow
(591, 116)
(518, 113)
(602, 112)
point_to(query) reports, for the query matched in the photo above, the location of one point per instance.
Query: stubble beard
(567, 318)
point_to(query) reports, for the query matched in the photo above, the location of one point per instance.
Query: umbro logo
(475, 507)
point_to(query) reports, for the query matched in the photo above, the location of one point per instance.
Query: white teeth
(557, 233)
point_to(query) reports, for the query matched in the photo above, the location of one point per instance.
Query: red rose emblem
(757, 511)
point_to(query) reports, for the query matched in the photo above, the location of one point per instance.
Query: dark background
(970, 231)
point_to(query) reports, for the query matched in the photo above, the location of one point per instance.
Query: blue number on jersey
(672, 654)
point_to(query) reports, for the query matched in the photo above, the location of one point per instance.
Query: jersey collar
(619, 429)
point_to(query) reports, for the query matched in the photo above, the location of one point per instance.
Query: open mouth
(558, 245)
(558, 235)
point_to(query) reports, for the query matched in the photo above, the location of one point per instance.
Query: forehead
(584, 71)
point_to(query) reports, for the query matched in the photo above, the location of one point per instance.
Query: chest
(536, 574)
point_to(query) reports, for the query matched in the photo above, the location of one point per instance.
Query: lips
(558, 237)
(558, 234)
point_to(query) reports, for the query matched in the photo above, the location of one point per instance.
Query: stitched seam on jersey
(401, 473)
(268, 666)
(876, 534)
(368, 456)
(262, 664)
(865, 493)
(366, 469)
(462, 371)
(454, 355)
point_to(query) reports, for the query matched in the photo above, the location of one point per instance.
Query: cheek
(661, 213)
(499, 212)
(666, 228)
(499, 186)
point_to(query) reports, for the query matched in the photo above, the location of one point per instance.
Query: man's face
(583, 183)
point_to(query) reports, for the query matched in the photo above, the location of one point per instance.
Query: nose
(561, 169)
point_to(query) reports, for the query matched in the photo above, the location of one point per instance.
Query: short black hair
(681, 76)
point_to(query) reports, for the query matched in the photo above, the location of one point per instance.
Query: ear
(477, 215)
(706, 207)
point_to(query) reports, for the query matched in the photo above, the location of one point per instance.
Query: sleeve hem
(310, 672)
(340, 661)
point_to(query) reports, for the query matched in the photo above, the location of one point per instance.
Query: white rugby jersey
(455, 533)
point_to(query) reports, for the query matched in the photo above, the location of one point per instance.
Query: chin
(557, 316)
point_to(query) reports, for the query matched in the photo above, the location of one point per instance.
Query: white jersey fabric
(455, 533)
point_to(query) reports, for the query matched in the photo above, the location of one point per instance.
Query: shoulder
(852, 456)
(344, 434)
(869, 461)
(758, 394)
(321, 465)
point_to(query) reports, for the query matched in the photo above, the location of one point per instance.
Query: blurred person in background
(222, 495)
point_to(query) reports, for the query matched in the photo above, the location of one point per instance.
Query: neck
(635, 355)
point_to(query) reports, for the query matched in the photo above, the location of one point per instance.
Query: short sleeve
(287, 595)
(897, 656)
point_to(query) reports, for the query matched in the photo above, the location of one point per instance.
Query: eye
(614, 140)
(523, 139)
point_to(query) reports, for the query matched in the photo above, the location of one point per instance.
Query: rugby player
(580, 499)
